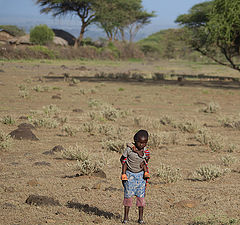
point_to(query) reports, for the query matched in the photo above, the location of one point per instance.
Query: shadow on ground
(221, 84)
(92, 210)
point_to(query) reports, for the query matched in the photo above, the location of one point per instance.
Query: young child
(142, 153)
(134, 162)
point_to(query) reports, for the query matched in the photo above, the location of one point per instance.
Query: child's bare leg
(140, 214)
(126, 212)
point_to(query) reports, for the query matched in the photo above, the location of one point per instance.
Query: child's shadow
(92, 210)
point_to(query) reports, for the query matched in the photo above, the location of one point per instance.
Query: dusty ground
(26, 171)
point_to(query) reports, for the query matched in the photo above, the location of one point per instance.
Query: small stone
(98, 220)
(56, 97)
(33, 183)
(41, 200)
(97, 186)
(43, 163)
(78, 110)
(50, 221)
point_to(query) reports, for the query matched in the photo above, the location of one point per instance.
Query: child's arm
(123, 159)
(147, 153)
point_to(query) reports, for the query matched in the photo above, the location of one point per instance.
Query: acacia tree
(116, 16)
(138, 21)
(81, 8)
(213, 29)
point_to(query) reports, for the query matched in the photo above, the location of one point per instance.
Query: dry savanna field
(63, 130)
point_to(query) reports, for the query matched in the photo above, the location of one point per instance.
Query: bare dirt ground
(25, 171)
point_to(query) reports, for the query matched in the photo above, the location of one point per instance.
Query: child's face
(141, 142)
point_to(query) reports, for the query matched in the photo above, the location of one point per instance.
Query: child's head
(141, 139)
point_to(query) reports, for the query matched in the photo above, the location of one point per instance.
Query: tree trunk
(80, 38)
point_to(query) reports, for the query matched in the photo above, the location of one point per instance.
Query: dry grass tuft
(114, 145)
(168, 174)
(5, 141)
(214, 141)
(8, 120)
(212, 107)
(74, 153)
(209, 172)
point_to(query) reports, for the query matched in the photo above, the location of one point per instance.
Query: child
(142, 153)
(134, 160)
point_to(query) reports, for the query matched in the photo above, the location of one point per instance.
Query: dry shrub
(106, 111)
(88, 167)
(212, 107)
(68, 130)
(156, 140)
(144, 121)
(114, 145)
(39, 88)
(208, 172)
(45, 122)
(228, 160)
(8, 120)
(48, 117)
(89, 127)
(110, 113)
(23, 93)
(189, 126)
(232, 122)
(215, 141)
(168, 174)
(214, 220)
(51, 110)
(166, 120)
(74, 153)
(232, 148)
(5, 141)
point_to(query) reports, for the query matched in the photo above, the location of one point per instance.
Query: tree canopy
(81, 8)
(117, 16)
(213, 29)
(113, 16)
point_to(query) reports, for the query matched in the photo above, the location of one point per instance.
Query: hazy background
(26, 14)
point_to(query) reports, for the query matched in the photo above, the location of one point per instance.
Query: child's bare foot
(146, 175)
(124, 177)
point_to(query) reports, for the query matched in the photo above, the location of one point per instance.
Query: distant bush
(13, 30)
(41, 35)
(41, 50)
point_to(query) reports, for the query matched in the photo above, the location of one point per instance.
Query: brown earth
(36, 169)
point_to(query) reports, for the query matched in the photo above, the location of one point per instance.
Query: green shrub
(41, 34)
(113, 49)
(44, 51)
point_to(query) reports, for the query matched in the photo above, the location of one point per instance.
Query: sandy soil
(26, 171)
